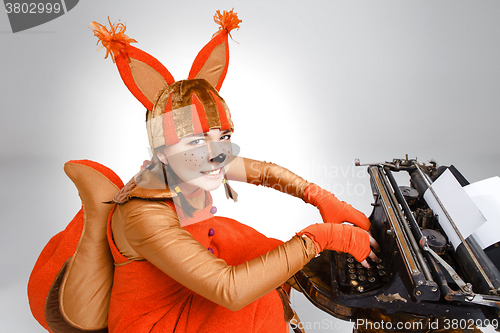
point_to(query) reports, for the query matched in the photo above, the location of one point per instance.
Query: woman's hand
(333, 210)
(342, 238)
(374, 245)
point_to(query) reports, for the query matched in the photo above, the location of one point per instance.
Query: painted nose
(219, 158)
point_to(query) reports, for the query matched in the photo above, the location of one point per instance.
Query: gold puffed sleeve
(266, 174)
(151, 231)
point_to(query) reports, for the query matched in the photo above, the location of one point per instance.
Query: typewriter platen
(421, 276)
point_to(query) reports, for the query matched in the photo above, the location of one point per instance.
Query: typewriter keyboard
(359, 279)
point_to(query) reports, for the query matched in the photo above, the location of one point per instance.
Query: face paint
(199, 161)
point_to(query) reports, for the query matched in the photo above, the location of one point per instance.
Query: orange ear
(143, 75)
(212, 61)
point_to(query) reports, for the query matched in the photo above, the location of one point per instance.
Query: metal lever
(488, 300)
(466, 288)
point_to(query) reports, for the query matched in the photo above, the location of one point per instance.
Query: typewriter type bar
(420, 281)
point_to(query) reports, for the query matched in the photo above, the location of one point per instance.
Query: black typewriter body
(420, 275)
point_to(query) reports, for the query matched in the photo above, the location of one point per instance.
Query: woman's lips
(212, 173)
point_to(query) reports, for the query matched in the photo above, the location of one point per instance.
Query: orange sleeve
(150, 230)
(266, 174)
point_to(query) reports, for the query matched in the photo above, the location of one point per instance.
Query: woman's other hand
(333, 210)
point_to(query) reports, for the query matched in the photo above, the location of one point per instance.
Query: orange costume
(148, 264)
(144, 299)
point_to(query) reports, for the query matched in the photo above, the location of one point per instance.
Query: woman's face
(198, 160)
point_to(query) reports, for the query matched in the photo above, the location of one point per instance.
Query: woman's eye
(197, 142)
(225, 137)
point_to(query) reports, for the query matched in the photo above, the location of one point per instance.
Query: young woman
(178, 266)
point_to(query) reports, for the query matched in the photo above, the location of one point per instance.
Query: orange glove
(333, 210)
(340, 238)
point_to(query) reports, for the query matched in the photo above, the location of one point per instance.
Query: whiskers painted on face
(202, 159)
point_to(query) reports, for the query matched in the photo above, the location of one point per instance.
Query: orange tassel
(114, 40)
(227, 21)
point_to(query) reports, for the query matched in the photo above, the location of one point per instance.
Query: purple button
(211, 232)
(213, 210)
(211, 250)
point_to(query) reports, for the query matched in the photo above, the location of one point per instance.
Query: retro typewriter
(420, 275)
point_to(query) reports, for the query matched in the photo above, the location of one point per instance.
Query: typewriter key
(361, 289)
(352, 270)
(370, 273)
(350, 265)
(371, 279)
(359, 266)
(381, 273)
(353, 276)
(361, 271)
(361, 278)
(354, 283)
(380, 266)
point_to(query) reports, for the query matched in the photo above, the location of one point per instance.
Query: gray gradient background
(311, 86)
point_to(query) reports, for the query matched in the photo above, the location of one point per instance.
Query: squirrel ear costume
(175, 109)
